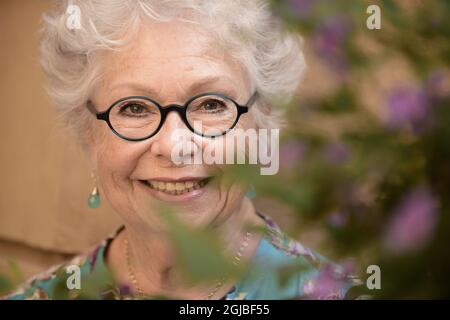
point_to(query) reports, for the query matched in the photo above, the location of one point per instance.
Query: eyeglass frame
(165, 110)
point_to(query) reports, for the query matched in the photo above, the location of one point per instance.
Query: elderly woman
(126, 76)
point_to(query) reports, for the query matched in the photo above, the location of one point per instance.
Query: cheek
(116, 160)
(237, 191)
(231, 196)
(217, 149)
(247, 121)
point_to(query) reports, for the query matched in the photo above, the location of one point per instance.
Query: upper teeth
(176, 186)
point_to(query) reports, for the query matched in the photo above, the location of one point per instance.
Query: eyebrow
(194, 88)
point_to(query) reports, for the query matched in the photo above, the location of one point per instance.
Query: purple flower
(300, 8)
(435, 84)
(337, 219)
(412, 224)
(291, 153)
(329, 40)
(347, 267)
(327, 285)
(407, 106)
(337, 153)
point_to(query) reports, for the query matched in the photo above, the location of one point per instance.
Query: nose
(165, 140)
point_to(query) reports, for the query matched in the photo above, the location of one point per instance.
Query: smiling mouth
(176, 187)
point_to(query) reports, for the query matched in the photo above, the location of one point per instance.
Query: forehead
(169, 59)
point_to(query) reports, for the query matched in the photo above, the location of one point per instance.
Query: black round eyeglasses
(138, 118)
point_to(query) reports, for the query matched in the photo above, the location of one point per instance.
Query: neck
(153, 258)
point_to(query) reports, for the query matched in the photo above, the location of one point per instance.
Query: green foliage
(384, 196)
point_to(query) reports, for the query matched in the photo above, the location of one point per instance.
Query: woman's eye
(213, 105)
(136, 108)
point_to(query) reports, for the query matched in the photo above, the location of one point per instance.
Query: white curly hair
(247, 29)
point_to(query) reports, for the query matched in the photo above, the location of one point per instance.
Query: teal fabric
(264, 278)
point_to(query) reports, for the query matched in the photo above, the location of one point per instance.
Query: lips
(177, 187)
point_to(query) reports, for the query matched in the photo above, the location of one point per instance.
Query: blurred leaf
(199, 251)
(5, 285)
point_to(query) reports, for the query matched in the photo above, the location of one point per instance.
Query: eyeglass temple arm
(91, 108)
(252, 99)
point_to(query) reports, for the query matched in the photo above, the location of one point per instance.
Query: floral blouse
(312, 276)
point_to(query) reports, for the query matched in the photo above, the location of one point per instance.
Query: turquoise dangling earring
(94, 197)
(251, 193)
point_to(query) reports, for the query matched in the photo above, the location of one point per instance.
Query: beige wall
(45, 180)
